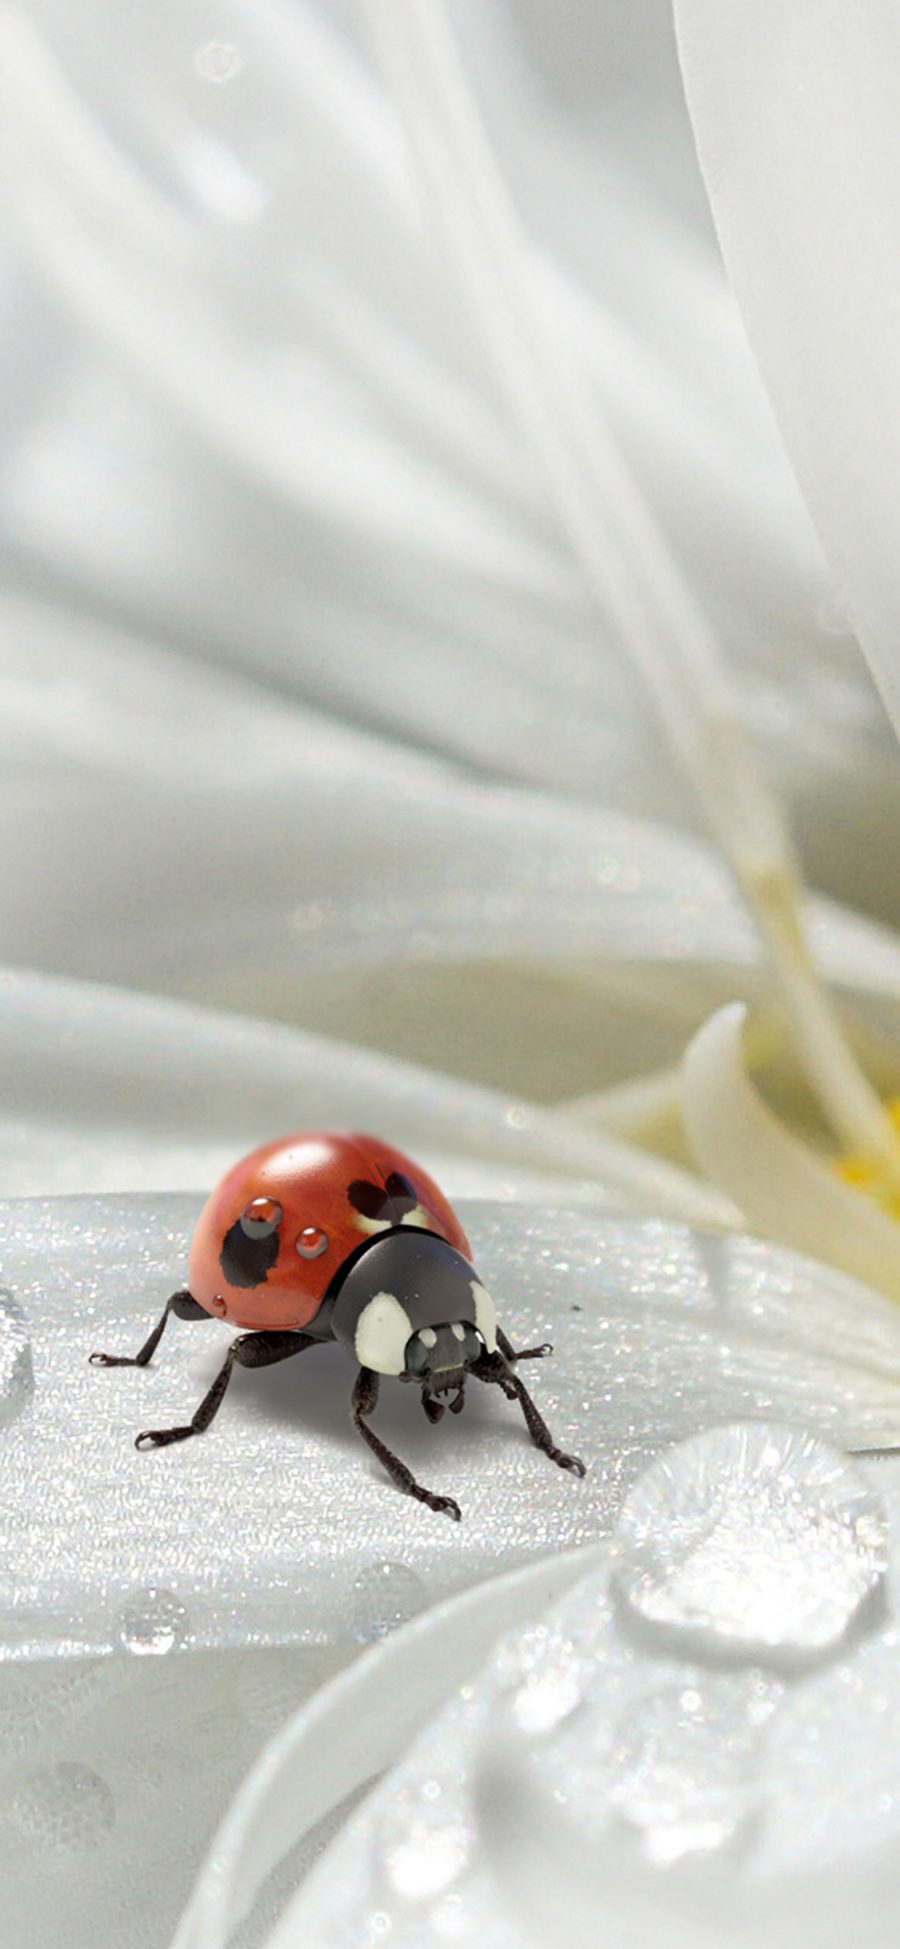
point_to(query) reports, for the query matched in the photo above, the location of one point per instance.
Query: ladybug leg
(364, 1402)
(494, 1367)
(184, 1308)
(250, 1350)
(524, 1353)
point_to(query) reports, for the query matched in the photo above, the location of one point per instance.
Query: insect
(330, 1236)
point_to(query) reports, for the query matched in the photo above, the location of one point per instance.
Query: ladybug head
(410, 1305)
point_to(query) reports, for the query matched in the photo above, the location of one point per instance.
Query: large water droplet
(16, 1370)
(153, 1622)
(63, 1809)
(382, 1597)
(750, 1539)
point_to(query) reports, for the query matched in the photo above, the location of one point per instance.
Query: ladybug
(331, 1236)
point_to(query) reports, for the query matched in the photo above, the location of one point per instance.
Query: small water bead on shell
(381, 1597)
(750, 1540)
(62, 1809)
(16, 1367)
(312, 1242)
(152, 1623)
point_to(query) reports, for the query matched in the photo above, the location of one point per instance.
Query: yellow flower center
(866, 1174)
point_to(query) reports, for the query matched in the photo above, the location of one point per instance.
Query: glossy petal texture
(794, 113)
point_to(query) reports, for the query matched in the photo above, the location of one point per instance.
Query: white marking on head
(370, 1225)
(485, 1317)
(382, 1331)
(458, 1330)
(428, 1336)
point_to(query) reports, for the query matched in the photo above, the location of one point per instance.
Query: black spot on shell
(390, 1201)
(365, 1197)
(400, 1191)
(247, 1261)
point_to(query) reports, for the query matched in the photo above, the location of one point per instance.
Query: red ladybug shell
(335, 1187)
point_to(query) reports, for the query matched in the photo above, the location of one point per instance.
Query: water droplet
(545, 1700)
(382, 1597)
(427, 1860)
(679, 1767)
(750, 1539)
(312, 1242)
(684, 1777)
(16, 1369)
(152, 1623)
(377, 1926)
(63, 1809)
(218, 61)
(547, 1669)
(425, 1838)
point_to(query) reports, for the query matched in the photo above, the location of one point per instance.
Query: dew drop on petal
(218, 61)
(382, 1597)
(750, 1539)
(425, 1838)
(63, 1809)
(547, 1698)
(684, 1778)
(377, 1927)
(153, 1622)
(16, 1369)
(427, 1860)
(680, 1767)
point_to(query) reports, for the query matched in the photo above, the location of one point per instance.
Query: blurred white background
(307, 711)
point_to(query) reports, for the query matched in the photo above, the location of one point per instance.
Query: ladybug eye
(417, 1353)
(261, 1218)
(312, 1242)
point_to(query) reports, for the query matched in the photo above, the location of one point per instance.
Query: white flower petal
(795, 113)
(783, 1188)
(352, 1730)
(109, 1088)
